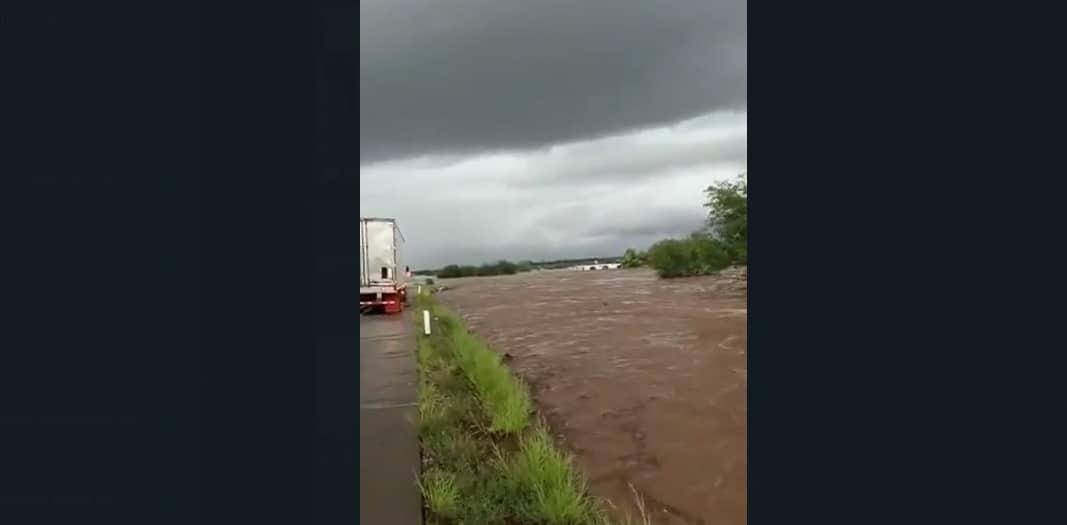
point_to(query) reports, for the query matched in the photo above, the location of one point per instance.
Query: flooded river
(643, 380)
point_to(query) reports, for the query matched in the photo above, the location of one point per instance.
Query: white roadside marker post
(426, 321)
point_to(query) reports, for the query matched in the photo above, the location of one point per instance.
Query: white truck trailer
(382, 278)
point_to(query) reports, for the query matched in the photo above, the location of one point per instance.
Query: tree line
(722, 243)
(502, 267)
(505, 267)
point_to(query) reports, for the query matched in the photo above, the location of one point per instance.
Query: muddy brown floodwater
(643, 380)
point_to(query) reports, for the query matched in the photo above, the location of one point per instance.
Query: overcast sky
(536, 129)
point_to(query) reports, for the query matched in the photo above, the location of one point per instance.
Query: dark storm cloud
(663, 222)
(717, 140)
(592, 198)
(450, 76)
(589, 221)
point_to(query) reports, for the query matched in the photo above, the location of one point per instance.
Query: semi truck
(382, 279)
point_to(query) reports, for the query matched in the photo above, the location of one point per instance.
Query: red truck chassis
(389, 300)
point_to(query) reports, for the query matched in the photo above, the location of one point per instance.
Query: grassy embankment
(485, 458)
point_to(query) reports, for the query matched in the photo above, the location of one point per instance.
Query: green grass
(544, 472)
(502, 395)
(440, 493)
(485, 460)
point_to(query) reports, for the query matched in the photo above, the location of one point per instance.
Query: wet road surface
(388, 447)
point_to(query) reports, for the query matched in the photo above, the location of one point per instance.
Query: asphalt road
(388, 447)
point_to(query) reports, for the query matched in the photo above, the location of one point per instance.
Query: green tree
(723, 243)
(727, 204)
(633, 259)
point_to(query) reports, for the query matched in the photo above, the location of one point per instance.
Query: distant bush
(498, 268)
(450, 272)
(697, 255)
(453, 271)
(634, 259)
(722, 244)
